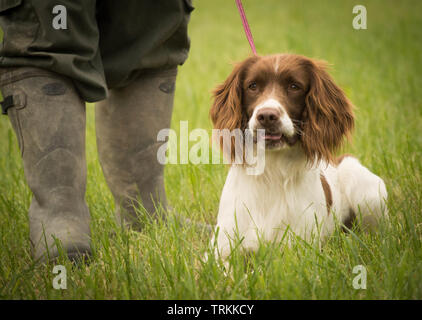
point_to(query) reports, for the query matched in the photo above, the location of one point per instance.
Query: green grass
(379, 68)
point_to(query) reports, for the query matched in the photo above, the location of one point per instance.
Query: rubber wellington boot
(127, 124)
(48, 117)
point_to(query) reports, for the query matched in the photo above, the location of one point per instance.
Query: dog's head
(290, 96)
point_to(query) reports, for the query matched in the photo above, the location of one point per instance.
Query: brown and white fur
(303, 187)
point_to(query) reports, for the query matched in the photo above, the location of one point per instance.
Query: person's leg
(48, 117)
(141, 47)
(46, 74)
(127, 124)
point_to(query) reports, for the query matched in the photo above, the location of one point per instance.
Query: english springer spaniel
(303, 187)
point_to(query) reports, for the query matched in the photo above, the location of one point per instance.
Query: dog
(303, 188)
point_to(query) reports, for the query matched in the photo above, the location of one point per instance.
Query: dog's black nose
(268, 116)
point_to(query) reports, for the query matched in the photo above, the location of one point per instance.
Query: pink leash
(246, 25)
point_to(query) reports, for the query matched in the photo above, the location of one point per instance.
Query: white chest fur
(287, 194)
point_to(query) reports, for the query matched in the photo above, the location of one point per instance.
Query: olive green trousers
(99, 45)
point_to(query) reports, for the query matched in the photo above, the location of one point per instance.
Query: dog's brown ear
(328, 116)
(226, 111)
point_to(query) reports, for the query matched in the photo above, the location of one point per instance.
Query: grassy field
(380, 69)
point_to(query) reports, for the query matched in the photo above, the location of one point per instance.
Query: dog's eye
(294, 87)
(253, 86)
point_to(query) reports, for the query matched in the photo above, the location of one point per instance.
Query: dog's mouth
(273, 137)
(276, 140)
